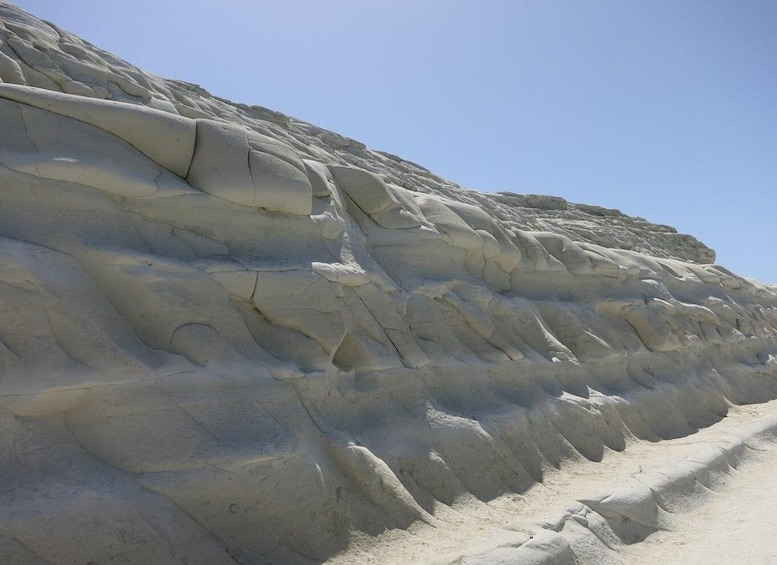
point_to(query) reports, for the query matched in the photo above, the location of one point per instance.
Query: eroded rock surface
(230, 336)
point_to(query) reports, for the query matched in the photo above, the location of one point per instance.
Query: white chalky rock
(165, 138)
(228, 335)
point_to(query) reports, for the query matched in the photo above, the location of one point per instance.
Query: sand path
(735, 526)
(732, 524)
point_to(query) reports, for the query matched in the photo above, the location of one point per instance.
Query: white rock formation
(230, 336)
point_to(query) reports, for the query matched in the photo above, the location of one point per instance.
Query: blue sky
(665, 109)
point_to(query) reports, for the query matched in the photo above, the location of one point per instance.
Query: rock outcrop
(230, 336)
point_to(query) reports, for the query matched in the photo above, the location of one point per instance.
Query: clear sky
(665, 109)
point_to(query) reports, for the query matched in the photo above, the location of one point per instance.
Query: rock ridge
(39, 54)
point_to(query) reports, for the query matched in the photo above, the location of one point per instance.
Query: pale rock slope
(229, 336)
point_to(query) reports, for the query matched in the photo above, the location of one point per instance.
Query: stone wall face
(234, 336)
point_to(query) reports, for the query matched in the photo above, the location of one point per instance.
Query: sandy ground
(733, 524)
(736, 525)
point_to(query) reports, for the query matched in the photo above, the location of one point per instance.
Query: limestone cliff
(227, 335)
